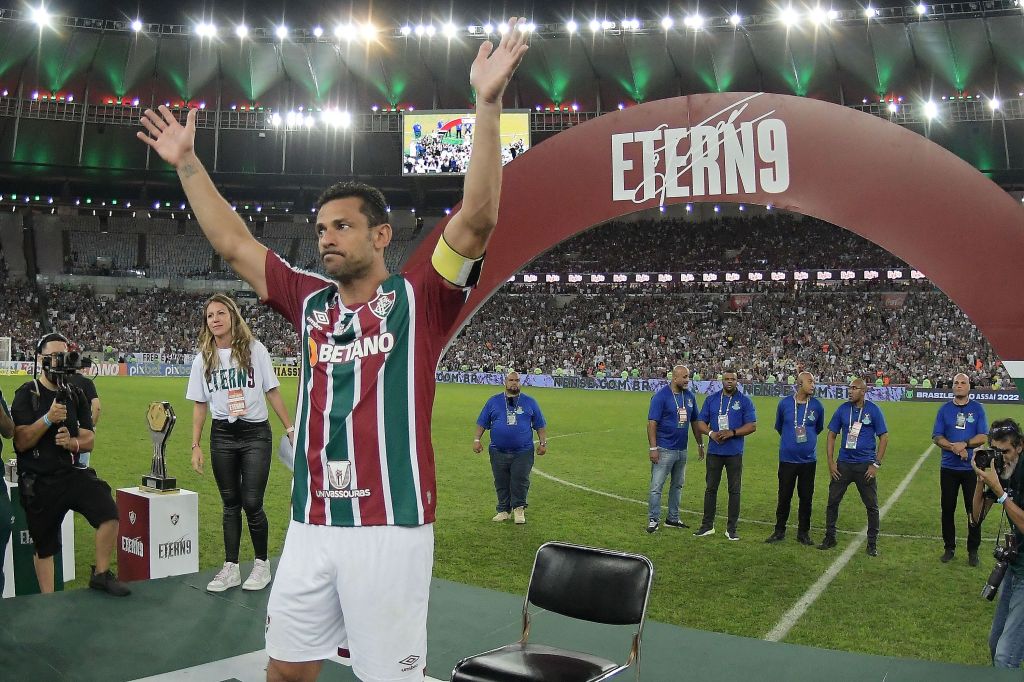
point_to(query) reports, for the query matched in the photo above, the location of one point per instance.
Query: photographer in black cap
(53, 425)
(1001, 481)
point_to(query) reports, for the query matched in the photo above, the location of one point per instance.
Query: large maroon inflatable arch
(887, 184)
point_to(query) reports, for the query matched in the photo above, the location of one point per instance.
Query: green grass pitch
(902, 603)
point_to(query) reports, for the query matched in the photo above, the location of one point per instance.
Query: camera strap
(999, 531)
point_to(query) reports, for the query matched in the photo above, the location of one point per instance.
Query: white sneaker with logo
(260, 576)
(227, 577)
(519, 515)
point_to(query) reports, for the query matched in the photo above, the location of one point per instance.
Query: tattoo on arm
(188, 170)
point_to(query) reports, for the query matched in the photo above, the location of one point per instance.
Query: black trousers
(240, 456)
(853, 473)
(713, 478)
(800, 477)
(953, 481)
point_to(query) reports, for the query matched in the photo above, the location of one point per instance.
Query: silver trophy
(160, 417)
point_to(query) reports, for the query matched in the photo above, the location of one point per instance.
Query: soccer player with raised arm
(356, 564)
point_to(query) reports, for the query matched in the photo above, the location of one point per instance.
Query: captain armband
(454, 267)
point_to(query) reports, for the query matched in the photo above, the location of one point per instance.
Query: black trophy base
(159, 484)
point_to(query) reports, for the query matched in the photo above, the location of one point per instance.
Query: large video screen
(436, 142)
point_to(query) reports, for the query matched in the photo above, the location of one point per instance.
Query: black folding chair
(585, 583)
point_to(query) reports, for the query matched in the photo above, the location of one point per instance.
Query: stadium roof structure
(288, 108)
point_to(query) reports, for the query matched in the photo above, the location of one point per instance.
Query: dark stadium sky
(299, 11)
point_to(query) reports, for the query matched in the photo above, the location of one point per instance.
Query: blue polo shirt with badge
(872, 425)
(498, 414)
(738, 408)
(959, 424)
(674, 412)
(790, 416)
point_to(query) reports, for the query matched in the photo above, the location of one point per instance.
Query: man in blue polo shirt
(511, 418)
(960, 426)
(860, 422)
(673, 410)
(799, 419)
(726, 417)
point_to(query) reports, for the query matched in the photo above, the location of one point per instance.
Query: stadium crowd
(607, 330)
(836, 335)
(772, 241)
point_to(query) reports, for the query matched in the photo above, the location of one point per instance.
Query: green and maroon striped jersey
(363, 455)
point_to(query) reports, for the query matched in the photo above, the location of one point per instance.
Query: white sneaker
(519, 515)
(227, 577)
(260, 576)
(501, 516)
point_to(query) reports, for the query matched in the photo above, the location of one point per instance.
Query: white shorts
(364, 589)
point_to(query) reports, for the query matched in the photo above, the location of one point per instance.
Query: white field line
(697, 512)
(796, 612)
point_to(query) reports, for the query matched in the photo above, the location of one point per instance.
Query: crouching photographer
(1001, 482)
(53, 426)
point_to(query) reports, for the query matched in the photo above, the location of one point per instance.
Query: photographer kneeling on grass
(52, 427)
(1001, 481)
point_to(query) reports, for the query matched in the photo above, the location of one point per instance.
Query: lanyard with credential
(727, 406)
(850, 425)
(678, 405)
(796, 408)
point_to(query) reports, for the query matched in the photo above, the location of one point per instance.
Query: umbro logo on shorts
(409, 662)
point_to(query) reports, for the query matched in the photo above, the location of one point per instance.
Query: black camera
(985, 456)
(1004, 556)
(65, 363)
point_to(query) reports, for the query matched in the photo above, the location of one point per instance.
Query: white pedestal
(159, 533)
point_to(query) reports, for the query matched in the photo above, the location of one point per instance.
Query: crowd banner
(145, 369)
(286, 370)
(933, 395)
(773, 390)
(168, 369)
(16, 368)
(106, 369)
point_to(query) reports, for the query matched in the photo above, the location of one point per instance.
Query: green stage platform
(172, 629)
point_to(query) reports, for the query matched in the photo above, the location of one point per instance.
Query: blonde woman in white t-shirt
(232, 376)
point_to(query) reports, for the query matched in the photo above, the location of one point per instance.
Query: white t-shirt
(231, 394)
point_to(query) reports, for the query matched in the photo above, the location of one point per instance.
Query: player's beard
(351, 267)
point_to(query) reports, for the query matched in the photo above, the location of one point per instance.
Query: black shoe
(675, 524)
(972, 559)
(805, 539)
(108, 582)
(872, 550)
(775, 537)
(947, 556)
(704, 531)
(827, 542)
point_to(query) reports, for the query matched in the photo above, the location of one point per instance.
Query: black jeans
(852, 473)
(734, 473)
(801, 477)
(951, 482)
(240, 456)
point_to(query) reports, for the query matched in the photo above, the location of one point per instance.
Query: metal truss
(948, 111)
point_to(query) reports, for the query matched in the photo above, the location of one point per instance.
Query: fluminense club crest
(131, 517)
(383, 304)
(339, 475)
